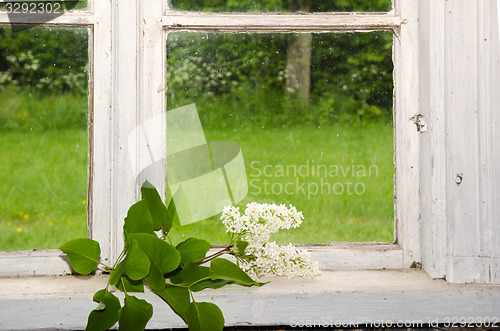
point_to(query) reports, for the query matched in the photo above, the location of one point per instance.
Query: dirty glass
(43, 136)
(308, 115)
(282, 5)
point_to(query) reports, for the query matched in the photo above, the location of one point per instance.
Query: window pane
(312, 114)
(282, 5)
(43, 136)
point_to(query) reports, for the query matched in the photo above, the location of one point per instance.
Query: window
(270, 28)
(120, 102)
(127, 87)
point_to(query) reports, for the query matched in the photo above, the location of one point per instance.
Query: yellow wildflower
(19, 229)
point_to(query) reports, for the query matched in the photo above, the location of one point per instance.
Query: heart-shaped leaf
(204, 316)
(83, 254)
(135, 265)
(164, 255)
(177, 298)
(193, 249)
(106, 313)
(227, 270)
(155, 206)
(138, 220)
(163, 258)
(135, 314)
(190, 274)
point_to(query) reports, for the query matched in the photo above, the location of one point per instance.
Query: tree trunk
(298, 58)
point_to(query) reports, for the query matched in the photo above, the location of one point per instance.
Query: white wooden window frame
(127, 52)
(131, 65)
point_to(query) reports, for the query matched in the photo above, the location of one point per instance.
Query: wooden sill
(349, 296)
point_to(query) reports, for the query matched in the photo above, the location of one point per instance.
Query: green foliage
(177, 298)
(135, 265)
(135, 314)
(45, 59)
(193, 249)
(204, 316)
(138, 219)
(83, 254)
(227, 270)
(172, 273)
(244, 76)
(156, 207)
(282, 5)
(106, 313)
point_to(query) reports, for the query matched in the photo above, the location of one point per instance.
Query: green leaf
(83, 254)
(173, 217)
(138, 219)
(209, 283)
(204, 316)
(106, 313)
(241, 245)
(193, 249)
(163, 258)
(135, 314)
(164, 255)
(190, 274)
(155, 206)
(177, 298)
(135, 264)
(128, 285)
(224, 269)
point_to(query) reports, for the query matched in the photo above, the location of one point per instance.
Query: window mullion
(132, 125)
(101, 132)
(406, 142)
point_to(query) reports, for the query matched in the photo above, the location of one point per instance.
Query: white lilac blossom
(265, 258)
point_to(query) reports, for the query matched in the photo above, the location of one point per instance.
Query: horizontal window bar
(71, 18)
(317, 22)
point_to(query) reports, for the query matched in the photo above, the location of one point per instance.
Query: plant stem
(213, 256)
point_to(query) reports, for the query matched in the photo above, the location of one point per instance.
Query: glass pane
(43, 137)
(282, 5)
(312, 114)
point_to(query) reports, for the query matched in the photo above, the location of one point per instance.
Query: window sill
(337, 296)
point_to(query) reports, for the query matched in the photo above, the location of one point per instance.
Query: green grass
(329, 216)
(43, 179)
(43, 188)
(44, 156)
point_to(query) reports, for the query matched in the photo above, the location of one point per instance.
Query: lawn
(340, 177)
(43, 188)
(43, 183)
